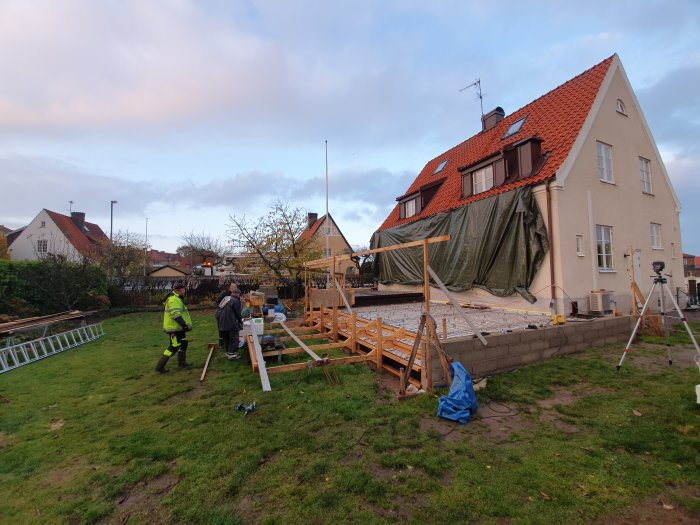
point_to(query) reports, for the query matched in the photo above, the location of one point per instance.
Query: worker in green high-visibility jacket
(176, 324)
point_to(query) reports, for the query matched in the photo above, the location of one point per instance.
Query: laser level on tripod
(659, 279)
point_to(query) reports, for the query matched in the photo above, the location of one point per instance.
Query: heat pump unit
(602, 301)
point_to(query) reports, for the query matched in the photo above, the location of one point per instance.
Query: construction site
(417, 341)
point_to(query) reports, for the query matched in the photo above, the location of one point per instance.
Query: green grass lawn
(93, 435)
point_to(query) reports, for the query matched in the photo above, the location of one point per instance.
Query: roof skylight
(514, 127)
(439, 168)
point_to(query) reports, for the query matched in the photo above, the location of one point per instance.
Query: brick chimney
(78, 218)
(492, 118)
(311, 219)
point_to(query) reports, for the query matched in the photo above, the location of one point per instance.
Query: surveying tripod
(658, 267)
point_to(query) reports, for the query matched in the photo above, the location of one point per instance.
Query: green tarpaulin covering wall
(497, 244)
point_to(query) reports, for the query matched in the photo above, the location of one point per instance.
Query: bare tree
(125, 257)
(273, 246)
(198, 247)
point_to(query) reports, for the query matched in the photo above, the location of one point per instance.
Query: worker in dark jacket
(230, 322)
(176, 322)
(224, 293)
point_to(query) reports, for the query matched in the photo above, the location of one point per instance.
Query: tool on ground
(246, 408)
(212, 347)
(330, 372)
(658, 267)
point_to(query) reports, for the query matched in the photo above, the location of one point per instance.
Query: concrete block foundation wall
(515, 350)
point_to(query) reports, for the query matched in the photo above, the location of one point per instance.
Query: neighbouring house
(169, 271)
(158, 259)
(555, 206)
(53, 233)
(328, 239)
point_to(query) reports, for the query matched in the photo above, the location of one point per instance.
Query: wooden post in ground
(444, 328)
(426, 281)
(379, 345)
(212, 347)
(353, 333)
(334, 324)
(402, 385)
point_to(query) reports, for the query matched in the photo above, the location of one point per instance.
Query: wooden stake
(444, 328)
(426, 280)
(212, 347)
(380, 344)
(353, 333)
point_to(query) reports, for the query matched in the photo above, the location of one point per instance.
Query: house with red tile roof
(547, 207)
(318, 229)
(51, 232)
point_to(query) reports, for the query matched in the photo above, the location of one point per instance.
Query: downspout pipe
(550, 239)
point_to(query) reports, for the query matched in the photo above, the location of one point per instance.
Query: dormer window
(483, 179)
(514, 128)
(409, 207)
(43, 224)
(620, 107)
(439, 168)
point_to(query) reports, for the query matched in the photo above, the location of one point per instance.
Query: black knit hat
(178, 285)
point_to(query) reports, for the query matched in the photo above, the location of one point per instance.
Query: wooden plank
(300, 343)
(414, 351)
(426, 280)
(342, 294)
(212, 347)
(261, 364)
(458, 308)
(285, 351)
(318, 263)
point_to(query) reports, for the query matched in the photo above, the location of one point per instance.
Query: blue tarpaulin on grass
(460, 403)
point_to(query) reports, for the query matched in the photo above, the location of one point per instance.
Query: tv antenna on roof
(479, 94)
(70, 206)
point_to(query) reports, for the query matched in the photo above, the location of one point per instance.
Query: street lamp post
(111, 219)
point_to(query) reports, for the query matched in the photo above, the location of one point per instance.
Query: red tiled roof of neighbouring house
(556, 118)
(4, 230)
(83, 240)
(310, 231)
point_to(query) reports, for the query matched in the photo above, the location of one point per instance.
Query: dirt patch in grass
(561, 396)
(65, 473)
(253, 508)
(660, 509)
(448, 430)
(497, 421)
(55, 425)
(143, 501)
(655, 357)
(400, 511)
(7, 440)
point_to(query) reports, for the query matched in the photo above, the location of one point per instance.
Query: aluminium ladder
(27, 352)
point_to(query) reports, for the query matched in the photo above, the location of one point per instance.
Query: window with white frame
(483, 179)
(579, 245)
(410, 208)
(43, 224)
(620, 107)
(605, 170)
(655, 230)
(603, 235)
(42, 246)
(645, 174)
(327, 252)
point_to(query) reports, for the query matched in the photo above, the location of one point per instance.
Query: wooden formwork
(386, 347)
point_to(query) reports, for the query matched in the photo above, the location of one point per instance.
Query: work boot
(160, 367)
(182, 359)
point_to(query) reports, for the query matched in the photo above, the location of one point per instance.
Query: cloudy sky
(186, 112)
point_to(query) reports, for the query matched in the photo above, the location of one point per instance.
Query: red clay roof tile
(556, 118)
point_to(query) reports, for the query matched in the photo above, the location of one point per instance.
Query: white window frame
(327, 252)
(605, 163)
(43, 224)
(655, 234)
(42, 246)
(410, 208)
(604, 248)
(645, 175)
(579, 245)
(482, 180)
